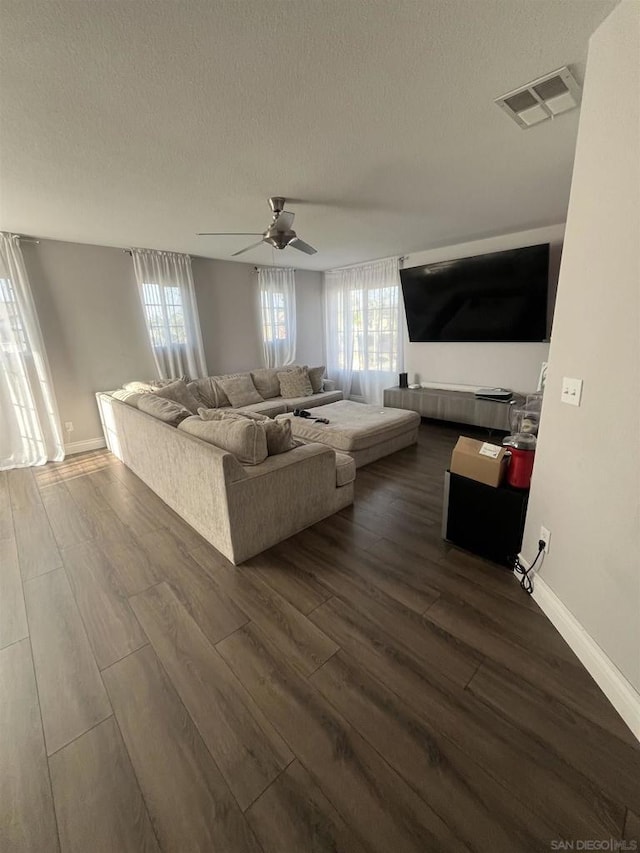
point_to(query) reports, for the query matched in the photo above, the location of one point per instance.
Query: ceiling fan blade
(252, 246)
(299, 244)
(284, 221)
(228, 233)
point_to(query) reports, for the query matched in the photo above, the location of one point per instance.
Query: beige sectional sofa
(265, 381)
(240, 509)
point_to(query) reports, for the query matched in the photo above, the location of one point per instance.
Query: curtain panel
(168, 298)
(30, 432)
(364, 328)
(277, 312)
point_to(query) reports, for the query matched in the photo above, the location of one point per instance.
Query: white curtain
(167, 293)
(30, 431)
(277, 311)
(364, 328)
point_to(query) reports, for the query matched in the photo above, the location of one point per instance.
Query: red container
(522, 447)
(520, 468)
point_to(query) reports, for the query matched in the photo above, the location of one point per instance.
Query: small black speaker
(404, 380)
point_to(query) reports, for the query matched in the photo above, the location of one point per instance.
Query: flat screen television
(497, 297)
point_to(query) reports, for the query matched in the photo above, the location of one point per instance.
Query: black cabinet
(485, 520)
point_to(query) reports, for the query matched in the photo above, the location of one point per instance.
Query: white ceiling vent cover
(546, 97)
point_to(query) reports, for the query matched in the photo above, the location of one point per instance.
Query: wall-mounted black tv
(497, 297)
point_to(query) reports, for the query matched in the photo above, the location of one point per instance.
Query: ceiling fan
(279, 234)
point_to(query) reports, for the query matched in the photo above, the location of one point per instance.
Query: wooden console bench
(458, 406)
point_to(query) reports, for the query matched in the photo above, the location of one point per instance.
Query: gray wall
(227, 303)
(309, 311)
(94, 332)
(586, 483)
(91, 323)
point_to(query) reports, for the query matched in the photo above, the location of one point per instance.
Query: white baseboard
(620, 692)
(83, 446)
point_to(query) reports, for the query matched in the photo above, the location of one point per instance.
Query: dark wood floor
(360, 687)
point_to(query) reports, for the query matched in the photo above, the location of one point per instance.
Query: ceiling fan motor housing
(279, 239)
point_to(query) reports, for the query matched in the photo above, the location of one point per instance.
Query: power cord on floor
(525, 581)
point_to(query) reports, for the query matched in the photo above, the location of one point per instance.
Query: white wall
(94, 332)
(586, 483)
(509, 365)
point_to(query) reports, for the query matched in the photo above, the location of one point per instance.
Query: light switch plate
(571, 391)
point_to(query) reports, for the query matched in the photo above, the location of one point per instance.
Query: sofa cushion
(213, 413)
(241, 436)
(130, 397)
(270, 408)
(223, 400)
(150, 385)
(354, 426)
(163, 409)
(266, 381)
(295, 383)
(278, 433)
(208, 392)
(240, 390)
(311, 402)
(345, 469)
(316, 377)
(179, 393)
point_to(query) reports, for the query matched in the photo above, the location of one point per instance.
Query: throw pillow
(316, 376)
(278, 433)
(240, 390)
(179, 393)
(207, 392)
(241, 436)
(130, 397)
(219, 414)
(138, 387)
(279, 438)
(151, 385)
(223, 400)
(295, 383)
(163, 409)
(266, 381)
(160, 383)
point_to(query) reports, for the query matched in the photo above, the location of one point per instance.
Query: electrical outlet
(545, 535)
(68, 425)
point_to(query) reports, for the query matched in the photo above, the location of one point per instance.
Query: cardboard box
(479, 460)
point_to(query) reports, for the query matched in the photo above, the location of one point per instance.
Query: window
(277, 289)
(29, 426)
(274, 319)
(373, 320)
(167, 295)
(364, 330)
(165, 317)
(13, 337)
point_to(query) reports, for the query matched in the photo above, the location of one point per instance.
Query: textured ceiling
(140, 123)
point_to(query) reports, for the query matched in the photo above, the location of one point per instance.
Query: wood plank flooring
(362, 687)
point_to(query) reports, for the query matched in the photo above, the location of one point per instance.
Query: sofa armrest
(329, 385)
(281, 496)
(284, 460)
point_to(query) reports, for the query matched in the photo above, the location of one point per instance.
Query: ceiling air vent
(541, 99)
